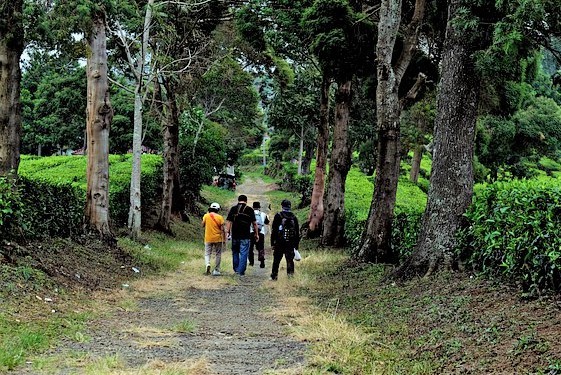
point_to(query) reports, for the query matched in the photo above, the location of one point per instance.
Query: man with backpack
(262, 221)
(240, 218)
(285, 238)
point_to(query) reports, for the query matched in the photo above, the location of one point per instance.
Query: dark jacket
(277, 221)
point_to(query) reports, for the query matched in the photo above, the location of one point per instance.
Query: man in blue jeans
(238, 224)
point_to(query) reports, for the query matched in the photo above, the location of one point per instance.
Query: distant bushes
(514, 233)
(50, 196)
(410, 204)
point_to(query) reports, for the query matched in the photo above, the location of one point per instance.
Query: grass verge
(451, 323)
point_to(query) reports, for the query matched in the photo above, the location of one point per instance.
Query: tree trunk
(376, 245)
(99, 114)
(11, 48)
(301, 150)
(309, 155)
(135, 211)
(316, 207)
(172, 199)
(416, 163)
(339, 165)
(451, 182)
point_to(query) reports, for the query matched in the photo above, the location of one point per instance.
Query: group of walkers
(246, 227)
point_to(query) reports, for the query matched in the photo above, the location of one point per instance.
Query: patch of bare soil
(83, 262)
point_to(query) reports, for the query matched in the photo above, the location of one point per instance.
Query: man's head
(286, 204)
(256, 205)
(242, 199)
(214, 207)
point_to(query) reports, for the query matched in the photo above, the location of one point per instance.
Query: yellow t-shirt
(213, 228)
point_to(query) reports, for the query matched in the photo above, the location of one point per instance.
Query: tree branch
(410, 39)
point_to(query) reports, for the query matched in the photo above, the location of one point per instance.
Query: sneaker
(251, 264)
(262, 265)
(208, 269)
(273, 278)
(215, 273)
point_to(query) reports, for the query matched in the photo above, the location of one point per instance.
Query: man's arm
(256, 231)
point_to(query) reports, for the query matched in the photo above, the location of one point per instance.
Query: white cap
(215, 206)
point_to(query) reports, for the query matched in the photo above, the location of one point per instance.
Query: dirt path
(226, 321)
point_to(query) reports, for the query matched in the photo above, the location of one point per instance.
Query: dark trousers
(278, 253)
(260, 246)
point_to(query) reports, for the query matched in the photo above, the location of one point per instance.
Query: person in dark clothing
(262, 222)
(285, 238)
(240, 218)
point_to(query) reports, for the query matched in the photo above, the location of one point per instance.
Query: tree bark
(301, 150)
(339, 165)
(309, 155)
(135, 211)
(416, 163)
(172, 199)
(451, 181)
(11, 48)
(316, 207)
(376, 245)
(99, 115)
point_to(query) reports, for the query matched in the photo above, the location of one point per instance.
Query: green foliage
(198, 164)
(341, 37)
(410, 205)
(53, 104)
(513, 233)
(294, 110)
(250, 26)
(61, 180)
(227, 95)
(10, 205)
(509, 143)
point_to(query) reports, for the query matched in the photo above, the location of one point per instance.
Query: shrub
(410, 204)
(52, 192)
(10, 204)
(514, 233)
(50, 208)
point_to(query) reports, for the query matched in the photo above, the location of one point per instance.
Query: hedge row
(514, 233)
(513, 229)
(50, 197)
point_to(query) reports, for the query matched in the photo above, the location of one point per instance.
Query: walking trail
(189, 323)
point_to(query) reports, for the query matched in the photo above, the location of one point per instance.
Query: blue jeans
(240, 250)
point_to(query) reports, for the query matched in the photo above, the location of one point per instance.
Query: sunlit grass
(185, 326)
(338, 342)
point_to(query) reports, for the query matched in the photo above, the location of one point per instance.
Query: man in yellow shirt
(214, 237)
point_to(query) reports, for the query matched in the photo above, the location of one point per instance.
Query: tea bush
(514, 232)
(10, 204)
(52, 192)
(410, 204)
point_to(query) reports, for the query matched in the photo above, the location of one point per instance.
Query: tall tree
(142, 75)
(181, 39)
(99, 114)
(11, 48)
(518, 28)
(376, 245)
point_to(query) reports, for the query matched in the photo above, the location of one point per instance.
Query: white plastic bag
(297, 256)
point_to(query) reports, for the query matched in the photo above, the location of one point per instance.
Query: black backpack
(241, 218)
(288, 232)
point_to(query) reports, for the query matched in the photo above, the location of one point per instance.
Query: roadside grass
(115, 365)
(257, 172)
(36, 312)
(215, 194)
(356, 322)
